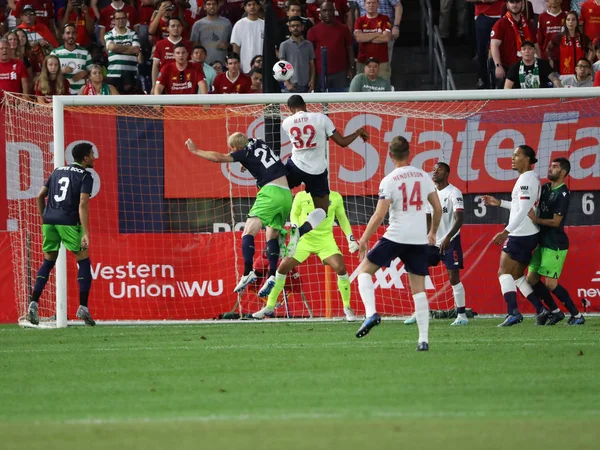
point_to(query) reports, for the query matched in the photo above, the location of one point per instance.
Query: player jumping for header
(273, 201)
(308, 133)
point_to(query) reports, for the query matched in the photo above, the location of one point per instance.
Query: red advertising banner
(478, 148)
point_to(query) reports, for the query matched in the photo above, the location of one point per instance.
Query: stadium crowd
(97, 47)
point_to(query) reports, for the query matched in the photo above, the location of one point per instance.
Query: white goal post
(62, 102)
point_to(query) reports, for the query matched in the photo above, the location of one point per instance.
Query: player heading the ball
(308, 133)
(273, 201)
(403, 193)
(65, 218)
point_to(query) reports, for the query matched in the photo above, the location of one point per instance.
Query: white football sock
(367, 293)
(422, 313)
(315, 217)
(459, 297)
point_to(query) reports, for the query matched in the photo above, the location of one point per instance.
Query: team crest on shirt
(13, 75)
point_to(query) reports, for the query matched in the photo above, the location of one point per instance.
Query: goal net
(166, 225)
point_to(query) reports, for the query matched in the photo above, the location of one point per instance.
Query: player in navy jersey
(273, 201)
(65, 219)
(549, 257)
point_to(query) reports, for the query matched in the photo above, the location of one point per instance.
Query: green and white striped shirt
(77, 59)
(118, 62)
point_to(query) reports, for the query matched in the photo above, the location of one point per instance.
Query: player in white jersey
(404, 192)
(308, 133)
(448, 248)
(520, 237)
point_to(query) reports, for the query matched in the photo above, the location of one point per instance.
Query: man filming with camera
(82, 15)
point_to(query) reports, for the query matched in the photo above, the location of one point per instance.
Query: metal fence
(430, 38)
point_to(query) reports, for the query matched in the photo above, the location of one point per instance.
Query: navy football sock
(248, 252)
(511, 302)
(562, 294)
(84, 278)
(543, 293)
(41, 279)
(273, 255)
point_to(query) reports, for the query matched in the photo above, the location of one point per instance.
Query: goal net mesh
(166, 225)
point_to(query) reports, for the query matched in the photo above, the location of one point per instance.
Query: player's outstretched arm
(434, 201)
(41, 200)
(383, 205)
(84, 216)
(207, 154)
(345, 141)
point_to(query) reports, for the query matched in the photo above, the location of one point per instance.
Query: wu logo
(391, 277)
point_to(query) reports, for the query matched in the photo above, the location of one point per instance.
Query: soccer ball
(283, 71)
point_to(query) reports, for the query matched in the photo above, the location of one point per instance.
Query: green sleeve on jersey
(340, 213)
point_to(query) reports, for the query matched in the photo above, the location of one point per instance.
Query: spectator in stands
(341, 12)
(392, 9)
(233, 81)
(213, 32)
(336, 37)
(40, 37)
(31, 60)
(583, 75)
(170, 9)
(370, 81)
(146, 10)
(571, 45)
(461, 16)
(82, 16)
(293, 9)
(44, 11)
(13, 74)
(301, 54)
(75, 60)
(487, 13)
(165, 49)
(596, 65)
(247, 34)
(218, 66)
(256, 77)
(530, 72)
(506, 38)
(256, 62)
(124, 51)
(590, 19)
(13, 40)
(199, 57)
(181, 76)
(106, 21)
(95, 84)
(230, 9)
(550, 24)
(373, 31)
(51, 81)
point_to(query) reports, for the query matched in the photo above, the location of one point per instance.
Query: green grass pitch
(300, 385)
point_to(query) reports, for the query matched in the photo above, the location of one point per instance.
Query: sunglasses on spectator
(582, 66)
(514, 1)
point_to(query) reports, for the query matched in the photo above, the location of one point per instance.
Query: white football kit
(308, 133)
(525, 195)
(451, 200)
(408, 188)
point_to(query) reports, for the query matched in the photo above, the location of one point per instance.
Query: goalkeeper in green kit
(319, 241)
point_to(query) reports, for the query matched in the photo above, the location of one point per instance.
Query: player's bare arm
(434, 201)
(345, 141)
(553, 223)
(459, 217)
(489, 200)
(207, 154)
(383, 206)
(41, 200)
(84, 214)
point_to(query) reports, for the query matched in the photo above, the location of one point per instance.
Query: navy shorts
(315, 185)
(414, 257)
(452, 258)
(520, 248)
